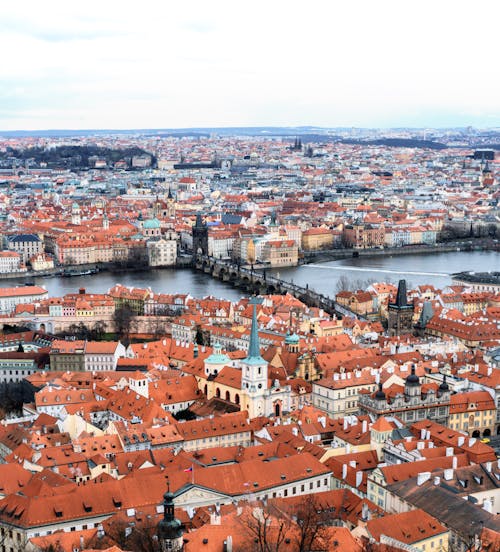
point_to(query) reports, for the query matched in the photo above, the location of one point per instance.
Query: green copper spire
(254, 349)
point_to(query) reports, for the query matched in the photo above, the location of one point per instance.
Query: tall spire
(169, 529)
(401, 298)
(254, 348)
(199, 221)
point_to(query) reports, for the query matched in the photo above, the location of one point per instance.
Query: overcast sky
(162, 64)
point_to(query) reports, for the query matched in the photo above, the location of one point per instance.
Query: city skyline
(368, 65)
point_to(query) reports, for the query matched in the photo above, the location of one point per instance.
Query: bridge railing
(322, 300)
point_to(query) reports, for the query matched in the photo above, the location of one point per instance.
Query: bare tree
(157, 326)
(139, 537)
(123, 318)
(267, 531)
(287, 524)
(98, 330)
(343, 284)
(311, 520)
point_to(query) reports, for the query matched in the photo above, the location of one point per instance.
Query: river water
(432, 268)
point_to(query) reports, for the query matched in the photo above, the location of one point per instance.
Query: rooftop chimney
(359, 478)
(228, 544)
(423, 477)
(487, 505)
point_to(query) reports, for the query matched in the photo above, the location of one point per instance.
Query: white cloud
(111, 64)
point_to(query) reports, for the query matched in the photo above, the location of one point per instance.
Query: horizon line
(249, 127)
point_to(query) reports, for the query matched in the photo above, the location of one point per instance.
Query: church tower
(76, 214)
(292, 342)
(200, 237)
(169, 529)
(400, 319)
(254, 370)
(105, 221)
(412, 384)
(170, 204)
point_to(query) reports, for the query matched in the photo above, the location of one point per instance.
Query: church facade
(246, 382)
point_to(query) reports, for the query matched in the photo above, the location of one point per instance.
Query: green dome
(291, 339)
(217, 357)
(151, 224)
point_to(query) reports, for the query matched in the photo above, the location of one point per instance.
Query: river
(424, 268)
(433, 268)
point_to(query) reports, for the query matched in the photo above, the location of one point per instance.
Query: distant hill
(72, 157)
(398, 143)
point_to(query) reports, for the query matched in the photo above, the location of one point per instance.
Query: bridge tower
(200, 237)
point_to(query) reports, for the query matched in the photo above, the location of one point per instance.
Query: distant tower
(169, 529)
(170, 204)
(444, 387)
(292, 342)
(274, 229)
(412, 384)
(400, 320)
(105, 221)
(254, 370)
(200, 237)
(76, 214)
(156, 207)
(426, 314)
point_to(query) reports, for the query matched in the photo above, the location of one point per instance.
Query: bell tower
(76, 214)
(105, 221)
(254, 369)
(169, 529)
(170, 204)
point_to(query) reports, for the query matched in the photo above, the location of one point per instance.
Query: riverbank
(71, 271)
(474, 244)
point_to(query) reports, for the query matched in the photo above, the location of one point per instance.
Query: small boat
(69, 273)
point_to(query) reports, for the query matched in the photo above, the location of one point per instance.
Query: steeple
(254, 371)
(380, 395)
(199, 221)
(444, 387)
(169, 529)
(105, 221)
(401, 297)
(254, 349)
(412, 384)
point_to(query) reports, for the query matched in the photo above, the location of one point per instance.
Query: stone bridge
(258, 281)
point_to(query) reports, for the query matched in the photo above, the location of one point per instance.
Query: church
(245, 382)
